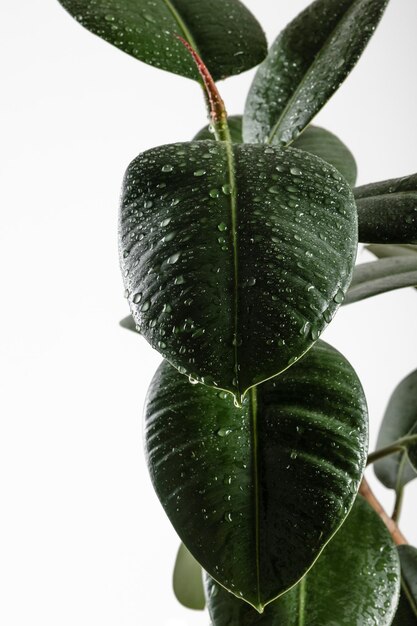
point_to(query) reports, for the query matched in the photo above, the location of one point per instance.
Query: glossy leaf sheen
(387, 211)
(400, 420)
(225, 33)
(355, 582)
(233, 271)
(305, 66)
(256, 493)
(372, 279)
(188, 580)
(407, 609)
(315, 140)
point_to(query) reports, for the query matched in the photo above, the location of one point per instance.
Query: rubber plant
(237, 248)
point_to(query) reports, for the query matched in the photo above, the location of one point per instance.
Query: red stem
(217, 108)
(370, 497)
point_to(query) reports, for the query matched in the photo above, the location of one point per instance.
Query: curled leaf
(387, 211)
(305, 66)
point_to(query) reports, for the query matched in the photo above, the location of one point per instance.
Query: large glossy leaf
(407, 609)
(188, 580)
(355, 582)
(224, 32)
(305, 66)
(234, 258)
(387, 211)
(400, 420)
(314, 140)
(372, 279)
(256, 493)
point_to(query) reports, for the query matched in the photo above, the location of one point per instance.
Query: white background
(83, 539)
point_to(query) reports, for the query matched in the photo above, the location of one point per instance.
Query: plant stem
(397, 446)
(398, 504)
(370, 497)
(214, 101)
(399, 490)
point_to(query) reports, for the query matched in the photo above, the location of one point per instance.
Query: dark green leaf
(188, 580)
(387, 211)
(355, 582)
(256, 493)
(371, 279)
(400, 420)
(328, 147)
(128, 323)
(314, 140)
(305, 66)
(383, 251)
(407, 609)
(224, 32)
(234, 258)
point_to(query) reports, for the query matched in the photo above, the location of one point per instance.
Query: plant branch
(398, 446)
(370, 497)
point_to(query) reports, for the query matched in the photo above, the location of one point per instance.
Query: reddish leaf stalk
(370, 497)
(217, 108)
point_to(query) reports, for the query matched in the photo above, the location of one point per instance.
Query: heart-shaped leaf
(371, 279)
(314, 140)
(355, 582)
(188, 580)
(234, 257)
(400, 420)
(387, 211)
(224, 32)
(256, 493)
(407, 609)
(305, 66)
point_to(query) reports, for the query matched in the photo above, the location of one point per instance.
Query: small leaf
(224, 32)
(400, 420)
(235, 258)
(383, 251)
(305, 65)
(128, 323)
(387, 211)
(188, 580)
(315, 140)
(235, 127)
(371, 279)
(407, 609)
(328, 147)
(355, 582)
(256, 493)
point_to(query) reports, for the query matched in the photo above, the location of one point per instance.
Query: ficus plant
(237, 248)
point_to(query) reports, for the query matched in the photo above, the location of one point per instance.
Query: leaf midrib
(254, 416)
(306, 74)
(181, 24)
(233, 210)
